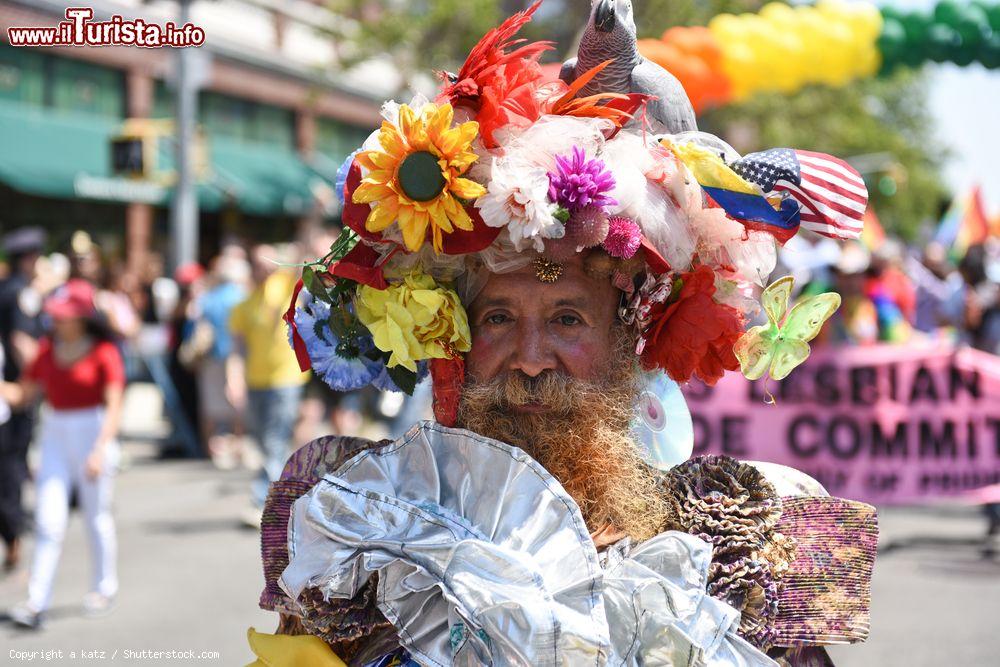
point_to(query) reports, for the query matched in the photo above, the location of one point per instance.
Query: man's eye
(568, 320)
(498, 318)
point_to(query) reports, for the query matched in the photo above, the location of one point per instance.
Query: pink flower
(623, 238)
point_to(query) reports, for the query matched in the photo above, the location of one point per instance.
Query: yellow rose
(414, 320)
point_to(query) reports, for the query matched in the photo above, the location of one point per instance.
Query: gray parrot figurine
(611, 35)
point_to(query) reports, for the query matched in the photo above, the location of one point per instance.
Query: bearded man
(553, 371)
(540, 255)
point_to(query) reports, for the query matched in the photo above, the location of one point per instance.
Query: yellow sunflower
(416, 178)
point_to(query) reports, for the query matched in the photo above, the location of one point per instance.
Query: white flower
(517, 198)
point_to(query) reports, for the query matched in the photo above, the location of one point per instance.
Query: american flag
(832, 195)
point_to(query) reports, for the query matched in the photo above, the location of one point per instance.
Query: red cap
(186, 274)
(74, 299)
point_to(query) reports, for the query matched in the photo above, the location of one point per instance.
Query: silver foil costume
(483, 558)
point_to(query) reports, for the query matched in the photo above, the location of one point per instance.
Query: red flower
(692, 334)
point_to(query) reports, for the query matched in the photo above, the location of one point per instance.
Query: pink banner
(882, 424)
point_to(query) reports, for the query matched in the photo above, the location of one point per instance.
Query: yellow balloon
(740, 67)
(841, 53)
(866, 21)
(777, 12)
(811, 60)
(869, 62)
(789, 73)
(832, 9)
(725, 27)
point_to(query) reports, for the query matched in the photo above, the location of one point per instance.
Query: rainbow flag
(964, 224)
(873, 234)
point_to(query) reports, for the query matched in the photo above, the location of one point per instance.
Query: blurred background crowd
(210, 338)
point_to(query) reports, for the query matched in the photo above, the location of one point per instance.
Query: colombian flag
(740, 199)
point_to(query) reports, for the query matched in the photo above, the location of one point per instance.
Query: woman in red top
(79, 373)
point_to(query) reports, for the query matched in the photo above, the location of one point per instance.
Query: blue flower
(312, 322)
(383, 382)
(342, 172)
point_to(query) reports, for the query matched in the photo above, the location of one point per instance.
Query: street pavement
(190, 576)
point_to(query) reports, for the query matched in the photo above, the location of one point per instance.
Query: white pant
(66, 439)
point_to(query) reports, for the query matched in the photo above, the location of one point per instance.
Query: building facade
(274, 123)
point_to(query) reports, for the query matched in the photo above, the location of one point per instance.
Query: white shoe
(25, 616)
(251, 517)
(96, 605)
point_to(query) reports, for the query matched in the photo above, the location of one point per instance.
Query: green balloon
(963, 54)
(989, 51)
(972, 25)
(948, 12)
(916, 26)
(892, 42)
(993, 16)
(941, 42)
(890, 13)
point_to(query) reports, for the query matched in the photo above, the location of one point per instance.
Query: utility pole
(184, 208)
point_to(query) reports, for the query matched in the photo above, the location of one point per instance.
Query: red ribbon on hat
(355, 215)
(299, 345)
(360, 265)
(447, 377)
(654, 260)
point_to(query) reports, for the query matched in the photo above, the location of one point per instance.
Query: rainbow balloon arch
(783, 47)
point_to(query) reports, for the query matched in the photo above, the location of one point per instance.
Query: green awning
(258, 179)
(68, 156)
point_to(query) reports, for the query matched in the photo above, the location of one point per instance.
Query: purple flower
(579, 182)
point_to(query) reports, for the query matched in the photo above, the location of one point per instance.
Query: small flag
(873, 234)
(832, 195)
(964, 224)
(742, 201)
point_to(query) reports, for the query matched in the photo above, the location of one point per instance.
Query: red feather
(495, 42)
(509, 98)
(496, 49)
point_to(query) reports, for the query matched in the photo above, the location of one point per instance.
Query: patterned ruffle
(731, 505)
(274, 539)
(337, 620)
(826, 596)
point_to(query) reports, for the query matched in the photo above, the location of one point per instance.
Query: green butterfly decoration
(780, 346)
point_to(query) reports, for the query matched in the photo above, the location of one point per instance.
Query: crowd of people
(75, 327)
(895, 293)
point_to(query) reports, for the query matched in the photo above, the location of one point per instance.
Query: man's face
(522, 324)
(553, 372)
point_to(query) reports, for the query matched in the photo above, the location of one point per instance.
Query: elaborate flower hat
(509, 167)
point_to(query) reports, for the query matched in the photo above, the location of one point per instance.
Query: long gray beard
(595, 48)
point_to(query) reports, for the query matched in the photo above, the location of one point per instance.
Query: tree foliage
(886, 115)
